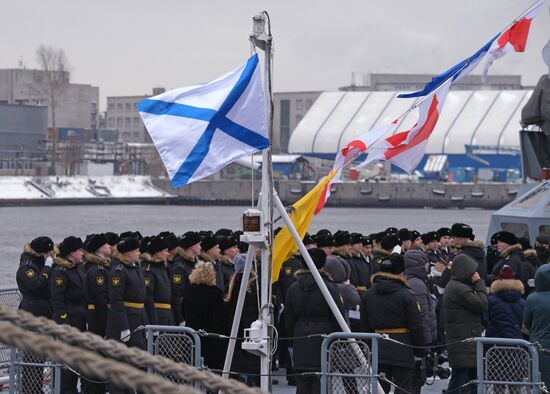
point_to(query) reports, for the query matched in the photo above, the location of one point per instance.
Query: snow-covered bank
(61, 187)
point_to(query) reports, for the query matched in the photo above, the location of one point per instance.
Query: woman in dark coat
(505, 306)
(244, 361)
(205, 310)
(308, 313)
(464, 302)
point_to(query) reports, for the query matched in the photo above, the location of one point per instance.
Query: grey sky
(128, 46)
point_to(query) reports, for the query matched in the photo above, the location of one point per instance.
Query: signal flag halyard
(198, 130)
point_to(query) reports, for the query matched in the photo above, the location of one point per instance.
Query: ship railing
(342, 371)
(507, 365)
(178, 343)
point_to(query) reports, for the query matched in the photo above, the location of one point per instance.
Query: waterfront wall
(357, 194)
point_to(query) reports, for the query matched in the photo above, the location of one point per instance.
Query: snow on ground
(127, 186)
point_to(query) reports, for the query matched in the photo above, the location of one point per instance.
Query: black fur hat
(208, 242)
(155, 245)
(507, 237)
(389, 242)
(42, 245)
(324, 240)
(94, 242)
(405, 235)
(112, 238)
(394, 264)
(356, 238)
(318, 256)
(127, 244)
(429, 237)
(69, 245)
(341, 238)
(226, 242)
(189, 239)
(461, 230)
(308, 239)
(443, 231)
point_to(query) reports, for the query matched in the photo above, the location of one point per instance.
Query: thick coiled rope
(118, 351)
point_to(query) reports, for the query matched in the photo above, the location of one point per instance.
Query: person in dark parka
(416, 272)
(511, 254)
(68, 291)
(205, 310)
(505, 306)
(96, 267)
(390, 308)
(464, 302)
(127, 296)
(183, 263)
(308, 313)
(157, 283)
(96, 271)
(33, 276)
(229, 249)
(536, 315)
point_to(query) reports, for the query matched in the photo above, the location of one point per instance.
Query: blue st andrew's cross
(216, 120)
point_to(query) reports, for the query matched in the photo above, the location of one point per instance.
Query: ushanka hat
(94, 242)
(429, 237)
(318, 256)
(155, 245)
(127, 244)
(208, 242)
(341, 238)
(461, 230)
(226, 242)
(404, 235)
(394, 264)
(42, 245)
(189, 239)
(356, 238)
(507, 237)
(69, 245)
(443, 232)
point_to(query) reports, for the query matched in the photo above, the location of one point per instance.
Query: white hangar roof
(480, 117)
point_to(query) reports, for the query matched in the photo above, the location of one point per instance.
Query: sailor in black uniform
(68, 291)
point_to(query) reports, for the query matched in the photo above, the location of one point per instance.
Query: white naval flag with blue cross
(200, 129)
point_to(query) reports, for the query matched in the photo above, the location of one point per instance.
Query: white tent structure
(486, 119)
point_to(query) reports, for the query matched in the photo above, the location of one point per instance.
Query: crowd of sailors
(428, 292)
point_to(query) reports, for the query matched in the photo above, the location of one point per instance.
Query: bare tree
(55, 69)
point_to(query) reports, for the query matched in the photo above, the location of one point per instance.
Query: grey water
(19, 225)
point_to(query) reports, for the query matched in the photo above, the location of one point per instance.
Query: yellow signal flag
(303, 211)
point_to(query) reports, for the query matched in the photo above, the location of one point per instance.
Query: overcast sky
(128, 46)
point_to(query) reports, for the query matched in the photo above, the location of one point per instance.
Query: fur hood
(387, 275)
(324, 274)
(63, 262)
(180, 251)
(205, 257)
(27, 249)
(340, 252)
(123, 259)
(508, 251)
(530, 253)
(471, 244)
(94, 258)
(147, 258)
(225, 260)
(381, 251)
(507, 285)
